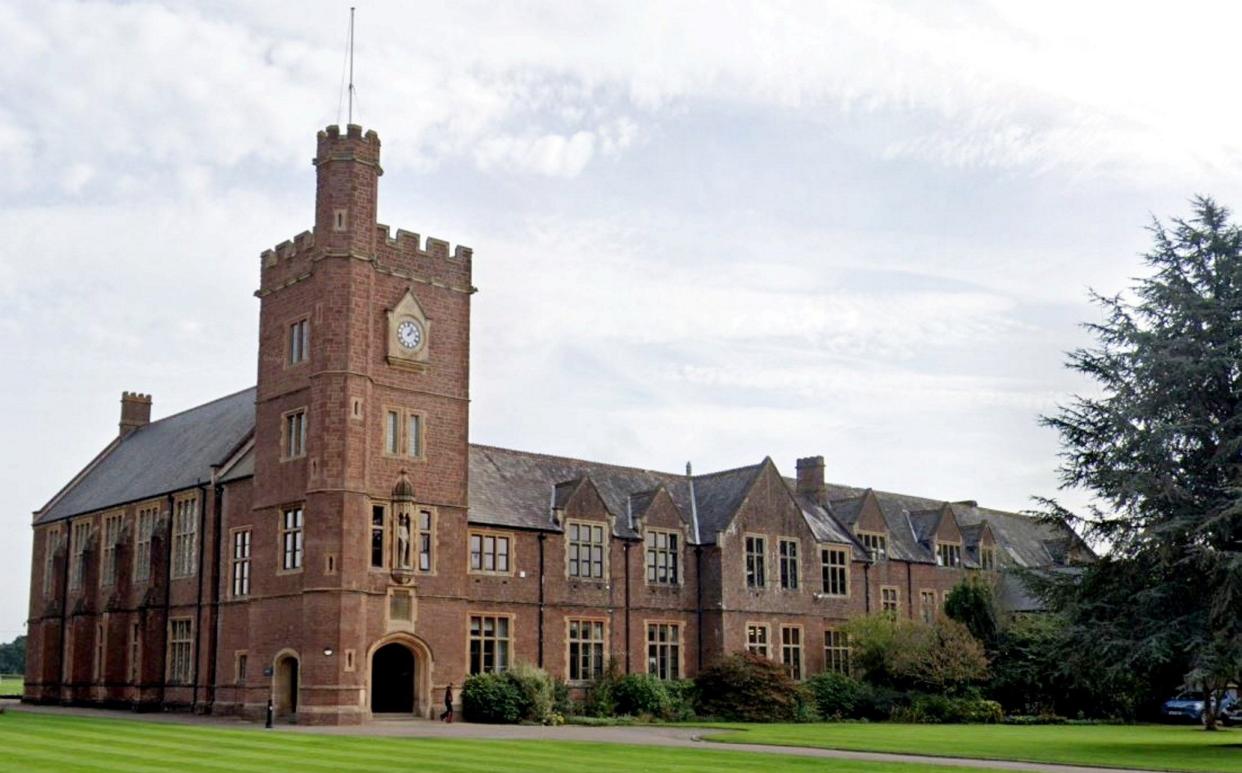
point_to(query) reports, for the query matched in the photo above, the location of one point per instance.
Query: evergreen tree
(1159, 446)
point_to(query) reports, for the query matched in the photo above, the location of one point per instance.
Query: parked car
(1187, 706)
(1231, 711)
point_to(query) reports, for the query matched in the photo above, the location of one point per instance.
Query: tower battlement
(353, 145)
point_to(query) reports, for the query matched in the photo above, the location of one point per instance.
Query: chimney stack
(811, 479)
(135, 411)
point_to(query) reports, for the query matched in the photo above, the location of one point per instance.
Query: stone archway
(286, 679)
(399, 676)
(392, 679)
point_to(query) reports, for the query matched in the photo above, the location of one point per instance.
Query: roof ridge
(557, 457)
(196, 407)
(731, 469)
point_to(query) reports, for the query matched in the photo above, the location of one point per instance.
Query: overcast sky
(708, 231)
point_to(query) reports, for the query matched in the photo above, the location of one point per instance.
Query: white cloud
(552, 155)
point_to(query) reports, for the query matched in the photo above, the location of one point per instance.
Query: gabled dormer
(587, 524)
(980, 545)
(939, 532)
(871, 527)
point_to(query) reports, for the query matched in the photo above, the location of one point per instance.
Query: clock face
(409, 334)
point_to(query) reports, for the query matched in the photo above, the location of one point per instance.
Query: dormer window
(987, 557)
(948, 554)
(875, 543)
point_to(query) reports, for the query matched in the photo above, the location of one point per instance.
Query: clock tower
(362, 414)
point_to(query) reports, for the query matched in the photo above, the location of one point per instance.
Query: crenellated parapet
(420, 259)
(405, 253)
(347, 172)
(353, 145)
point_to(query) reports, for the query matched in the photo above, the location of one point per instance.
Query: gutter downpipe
(698, 565)
(542, 538)
(213, 651)
(168, 538)
(64, 610)
(198, 599)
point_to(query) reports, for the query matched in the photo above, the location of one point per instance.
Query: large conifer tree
(1159, 446)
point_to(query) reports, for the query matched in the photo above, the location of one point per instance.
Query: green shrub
(522, 694)
(600, 699)
(491, 698)
(682, 695)
(942, 709)
(642, 695)
(877, 702)
(536, 691)
(837, 696)
(561, 702)
(748, 688)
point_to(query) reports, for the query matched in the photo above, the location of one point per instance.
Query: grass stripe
(50, 742)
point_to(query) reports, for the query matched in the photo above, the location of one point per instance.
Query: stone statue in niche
(403, 541)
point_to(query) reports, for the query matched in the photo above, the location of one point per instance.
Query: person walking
(447, 716)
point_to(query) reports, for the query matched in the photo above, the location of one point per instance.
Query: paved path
(646, 735)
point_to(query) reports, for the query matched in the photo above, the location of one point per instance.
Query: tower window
(339, 220)
(295, 434)
(403, 433)
(291, 538)
(299, 341)
(377, 536)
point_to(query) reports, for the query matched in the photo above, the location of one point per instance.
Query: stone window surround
(510, 537)
(188, 567)
(286, 439)
(834, 651)
(862, 534)
(839, 549)
(767, 638)
(403, 431)
(796, 585)
(800, 646)
(585, 619)
(762, 575)
(280, 537)
(680, 534)
(680, 627)
(927, 613)
(509, 639)
(303, 345)
(604, 528)
(113, 527)
(949, 544)
(896, 609)
(150, 512)
(234, 560)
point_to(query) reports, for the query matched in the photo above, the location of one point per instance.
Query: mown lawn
(11, 685)
(41, 742)
(1153, 747)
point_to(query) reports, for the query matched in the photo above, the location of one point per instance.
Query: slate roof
(514, 488)
(174, 453)
(517, 489)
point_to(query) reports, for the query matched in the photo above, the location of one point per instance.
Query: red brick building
(331, 540)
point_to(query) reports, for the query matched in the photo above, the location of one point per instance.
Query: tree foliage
(972, 604)
(13, 656)
(908, 654)
(748, 688)
(1158, 444)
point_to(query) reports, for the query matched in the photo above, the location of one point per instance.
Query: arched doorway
(285, 685)
(393, 680)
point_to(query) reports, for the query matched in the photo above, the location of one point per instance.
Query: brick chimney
(811, 478)
(135, 411)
